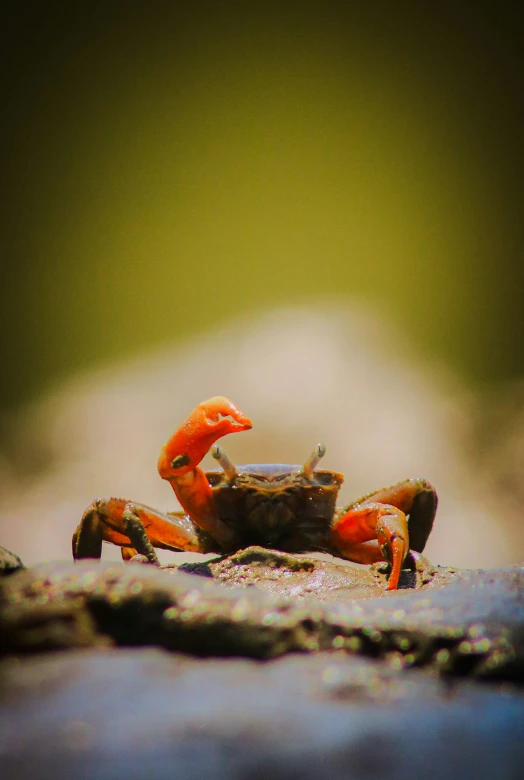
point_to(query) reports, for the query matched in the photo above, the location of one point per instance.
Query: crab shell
(276, 505)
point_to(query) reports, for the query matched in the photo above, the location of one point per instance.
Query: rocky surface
(314, 575)
(9, 562)
(470, 625)
(260, 665)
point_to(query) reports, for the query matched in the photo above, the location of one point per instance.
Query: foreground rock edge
(472, 626)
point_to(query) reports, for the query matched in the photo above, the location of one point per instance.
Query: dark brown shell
(275, 505)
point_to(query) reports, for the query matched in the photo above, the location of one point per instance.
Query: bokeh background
(169, 167)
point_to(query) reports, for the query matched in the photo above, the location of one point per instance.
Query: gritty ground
(260, 664)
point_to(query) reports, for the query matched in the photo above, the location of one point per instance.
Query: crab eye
(179, 461)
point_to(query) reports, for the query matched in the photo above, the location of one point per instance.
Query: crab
(280, 506)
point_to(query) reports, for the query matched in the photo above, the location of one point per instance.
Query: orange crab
(292, 508)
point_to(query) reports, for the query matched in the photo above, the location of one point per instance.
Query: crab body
(276, 506)
(281, 506)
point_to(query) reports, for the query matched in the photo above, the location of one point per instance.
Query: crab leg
(416, 498)
(381, 522)
(131, 525)
(180, 456)
(376, 526)
(128, 553)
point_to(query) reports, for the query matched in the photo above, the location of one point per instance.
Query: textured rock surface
(320, 576)
(364, 683)
(9, 562)
(473, 624)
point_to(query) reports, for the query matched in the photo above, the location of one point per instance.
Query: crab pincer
(180, 456)
(376, 527)
(383, 524)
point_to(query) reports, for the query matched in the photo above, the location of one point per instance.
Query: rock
(9, 562)
(302, 576)
(159, 671)
(130, 713)
(472, 626)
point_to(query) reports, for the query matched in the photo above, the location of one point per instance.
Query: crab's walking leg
(180, 456)
(131, 525)
(353, 531)
(128, 553)
(134, 528)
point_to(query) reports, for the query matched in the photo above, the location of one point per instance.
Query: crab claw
(208, 422)
(393, 540)
(384, 525)
(180, 456)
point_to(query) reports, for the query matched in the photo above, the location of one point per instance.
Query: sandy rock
(9, 562)
(302, 576)
(470, 624)
(211, 674)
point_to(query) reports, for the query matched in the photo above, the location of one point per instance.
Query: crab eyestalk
(229, 468)
(312, 462)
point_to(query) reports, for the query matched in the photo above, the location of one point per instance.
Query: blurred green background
(168, 165)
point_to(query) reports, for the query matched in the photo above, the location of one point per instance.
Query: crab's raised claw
(133, 527)
(180, 456)
(208, 422)
(370, 532)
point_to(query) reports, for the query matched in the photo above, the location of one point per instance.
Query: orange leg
(416, 498)
(353, 533)
(376, 526)
(133, 527)
(128, 553)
